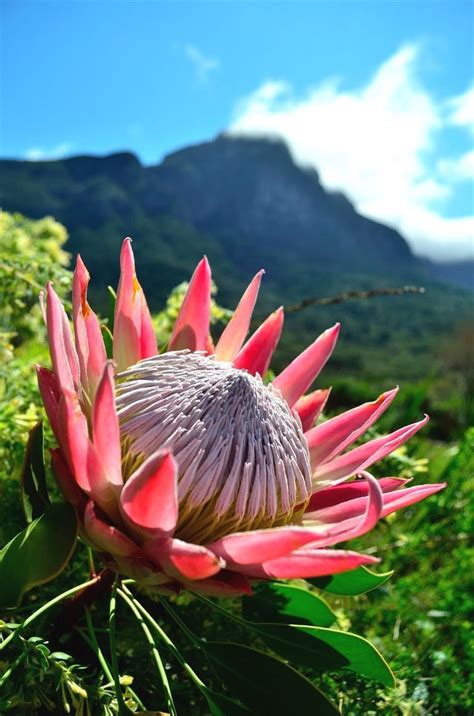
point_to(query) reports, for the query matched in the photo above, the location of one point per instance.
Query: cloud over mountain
(378, 143)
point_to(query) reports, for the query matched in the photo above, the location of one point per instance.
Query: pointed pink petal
(89, 342)
(148, 345)
(309, 407)
(191, 329)
(50, 394)
(360, 458)
(184, 560)
(309, 562)
(233, 335)
(332, 437)
(403, 498)
(343, 526)
(105, 427)
(105, 536)
(74, 437)
(262, 545)
(345, 513)
(63, 353)
(134, 338)
(334, 495)
(300, 374)
(66, 483)
(224, 584)
(149, 499)
(355, 506)
(256, 354)
(81, 455)
(345, 529)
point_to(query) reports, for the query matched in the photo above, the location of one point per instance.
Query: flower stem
(154, 650)
(171, 646)
(12, 667)
(91, 640)
(90, 560)
(43, 609)
(192, 637)
(113, 650)
(94, 644)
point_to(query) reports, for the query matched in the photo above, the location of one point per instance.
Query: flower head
(185, 469)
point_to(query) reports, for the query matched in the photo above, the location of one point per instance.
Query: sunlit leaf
(275, 602)
(323, 649)
(350, 584)
(38, 553)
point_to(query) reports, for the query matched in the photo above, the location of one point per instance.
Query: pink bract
(185, 469)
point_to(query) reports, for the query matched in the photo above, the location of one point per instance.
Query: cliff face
(252, 190)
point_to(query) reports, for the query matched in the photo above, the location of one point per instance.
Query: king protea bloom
(185, 469)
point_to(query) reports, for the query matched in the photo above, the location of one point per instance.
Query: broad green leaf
(221, 705)
(38, 553)
(323, 649)
(275, 602)
(264, 684)
(350, 584)
(33, 490)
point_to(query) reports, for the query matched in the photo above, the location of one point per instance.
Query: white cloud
(203, 65)
(462, 110)
(36, 154)
(375, 143)
(459, 169)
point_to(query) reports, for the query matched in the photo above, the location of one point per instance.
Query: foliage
(421, 620)
(31, 254)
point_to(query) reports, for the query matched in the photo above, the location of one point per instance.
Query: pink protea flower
(186, 471)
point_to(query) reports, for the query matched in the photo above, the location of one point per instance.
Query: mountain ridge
(246, 205)
(244, 199)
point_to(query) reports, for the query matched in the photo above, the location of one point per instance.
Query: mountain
(246, 204)
(244, 201)
(457, 273)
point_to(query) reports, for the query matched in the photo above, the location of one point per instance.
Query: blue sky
(377, 95)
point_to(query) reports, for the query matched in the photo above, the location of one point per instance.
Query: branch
(349, 295)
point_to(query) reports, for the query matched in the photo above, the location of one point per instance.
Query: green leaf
(33, 490)
(264, 684)
(350, 584)
(221, 705)
(275, 602)
(38, 553)
(108, 341)
(323, 649)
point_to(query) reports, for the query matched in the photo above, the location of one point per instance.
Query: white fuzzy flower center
(243, 460)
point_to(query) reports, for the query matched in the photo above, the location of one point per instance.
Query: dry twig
(349, 295)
